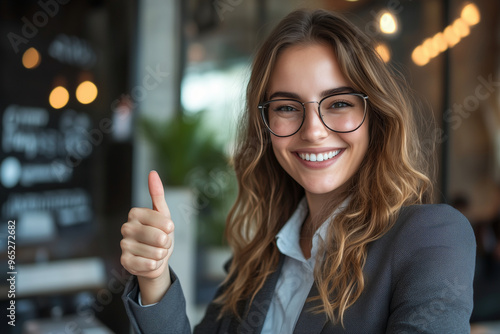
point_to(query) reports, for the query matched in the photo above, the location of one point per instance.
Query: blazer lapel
(256, 315)
(308, 322)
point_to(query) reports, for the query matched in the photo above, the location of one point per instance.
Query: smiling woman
(329, 232)
(309, 81)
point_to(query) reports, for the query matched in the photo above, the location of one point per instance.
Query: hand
(148, 242)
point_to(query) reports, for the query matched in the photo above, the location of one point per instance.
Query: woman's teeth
(319, 156)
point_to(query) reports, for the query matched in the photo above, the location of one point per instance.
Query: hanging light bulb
(451, 37)
(439, 42)
(461, 28)
(470, 14)
(388, 23)
(419, 57)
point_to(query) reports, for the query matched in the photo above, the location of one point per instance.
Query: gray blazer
(418, 280)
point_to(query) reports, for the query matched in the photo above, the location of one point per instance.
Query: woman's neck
(306, 234)
(320, 207)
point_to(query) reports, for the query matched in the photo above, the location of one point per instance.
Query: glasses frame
(263, 104)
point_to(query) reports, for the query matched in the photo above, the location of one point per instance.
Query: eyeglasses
(340, 113)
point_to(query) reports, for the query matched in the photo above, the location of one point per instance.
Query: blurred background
(96, 93)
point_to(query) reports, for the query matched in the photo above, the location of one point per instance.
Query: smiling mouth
(318, 156)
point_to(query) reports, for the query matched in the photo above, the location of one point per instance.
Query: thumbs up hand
(148, 242)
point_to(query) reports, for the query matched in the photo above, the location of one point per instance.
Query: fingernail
(170, 226)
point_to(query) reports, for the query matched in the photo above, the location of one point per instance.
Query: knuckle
(123, 229)
(162, 239)
(159, 254)
(124, 244)
(151, 265)
(169, 243)
(133, 213)
(126, 229)
(172, 227)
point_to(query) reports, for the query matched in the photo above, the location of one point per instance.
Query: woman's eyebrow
(338, 90)
(295, 96)
(287, 95)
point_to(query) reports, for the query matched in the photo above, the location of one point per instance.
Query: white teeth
(318, 157)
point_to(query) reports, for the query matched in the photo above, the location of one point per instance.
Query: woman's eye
(286, 108)
(340, 104)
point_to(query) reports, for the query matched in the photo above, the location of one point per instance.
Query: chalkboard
(47, 154)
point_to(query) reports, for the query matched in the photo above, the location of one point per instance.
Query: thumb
(156, 193)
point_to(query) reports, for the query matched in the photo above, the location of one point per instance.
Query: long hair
(391, 175)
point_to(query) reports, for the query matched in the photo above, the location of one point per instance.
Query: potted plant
(190, 157)
(199, 189)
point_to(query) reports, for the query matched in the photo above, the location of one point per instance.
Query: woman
(329, 232)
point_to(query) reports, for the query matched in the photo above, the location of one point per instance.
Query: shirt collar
(289, 235)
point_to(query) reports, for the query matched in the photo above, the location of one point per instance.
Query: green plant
(189, 155)
(182, 144)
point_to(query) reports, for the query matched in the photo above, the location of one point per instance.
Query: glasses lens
(343, 113)
(283, 117)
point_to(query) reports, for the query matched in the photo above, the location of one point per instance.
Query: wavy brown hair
(391, 175)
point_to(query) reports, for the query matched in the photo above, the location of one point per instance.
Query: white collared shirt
(296, 277)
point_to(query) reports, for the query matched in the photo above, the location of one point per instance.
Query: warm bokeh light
(388, 23)
(86, 92)
(384, 52)
(451, 37)
(31, 58)
(439, 42)
(418, 56)
(461, 28)
(59, 97)
(429, 48)
(470, 14)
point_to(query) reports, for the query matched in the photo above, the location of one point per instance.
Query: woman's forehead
(306, 69)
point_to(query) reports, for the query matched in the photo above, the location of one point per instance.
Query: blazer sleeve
(433, 261)
(168, 316)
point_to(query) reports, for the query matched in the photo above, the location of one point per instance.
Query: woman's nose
(313, 128)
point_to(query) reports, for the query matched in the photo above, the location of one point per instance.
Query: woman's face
(309, 72)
